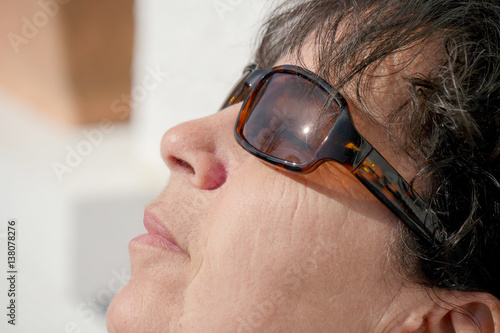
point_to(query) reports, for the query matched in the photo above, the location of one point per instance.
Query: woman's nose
(194, 150)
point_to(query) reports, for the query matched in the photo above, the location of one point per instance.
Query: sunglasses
(294, 120)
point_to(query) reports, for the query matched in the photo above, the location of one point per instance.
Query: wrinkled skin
(267, 251)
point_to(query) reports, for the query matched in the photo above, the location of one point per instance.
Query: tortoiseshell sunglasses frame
(344, 145)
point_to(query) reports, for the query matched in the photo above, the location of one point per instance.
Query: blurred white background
(76, 214)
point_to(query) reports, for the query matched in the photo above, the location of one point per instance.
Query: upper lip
(156, 227)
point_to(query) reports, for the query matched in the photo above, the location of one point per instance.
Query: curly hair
(449, 126)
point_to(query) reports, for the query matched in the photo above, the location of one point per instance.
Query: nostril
(174, 161)
(201, 169)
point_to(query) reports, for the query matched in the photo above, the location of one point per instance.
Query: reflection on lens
(289, 118)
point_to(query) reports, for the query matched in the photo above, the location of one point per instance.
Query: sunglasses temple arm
(387, 185)
(242, 88)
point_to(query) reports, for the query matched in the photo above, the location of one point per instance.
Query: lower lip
(156, 241)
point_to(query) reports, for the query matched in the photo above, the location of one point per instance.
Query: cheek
(249, 241)
(268, 251)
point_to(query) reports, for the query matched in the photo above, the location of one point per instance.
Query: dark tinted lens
(289, 118)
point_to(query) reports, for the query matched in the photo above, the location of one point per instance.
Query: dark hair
(449, 125)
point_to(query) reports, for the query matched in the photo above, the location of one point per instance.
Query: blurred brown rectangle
(99, 40)
(68, 58)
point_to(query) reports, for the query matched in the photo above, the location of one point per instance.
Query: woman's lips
(158, 234)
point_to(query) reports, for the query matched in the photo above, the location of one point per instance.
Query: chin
(122, 312)
(149, 303)
(133, 311)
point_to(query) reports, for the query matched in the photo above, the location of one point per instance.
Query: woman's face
(262, 250)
